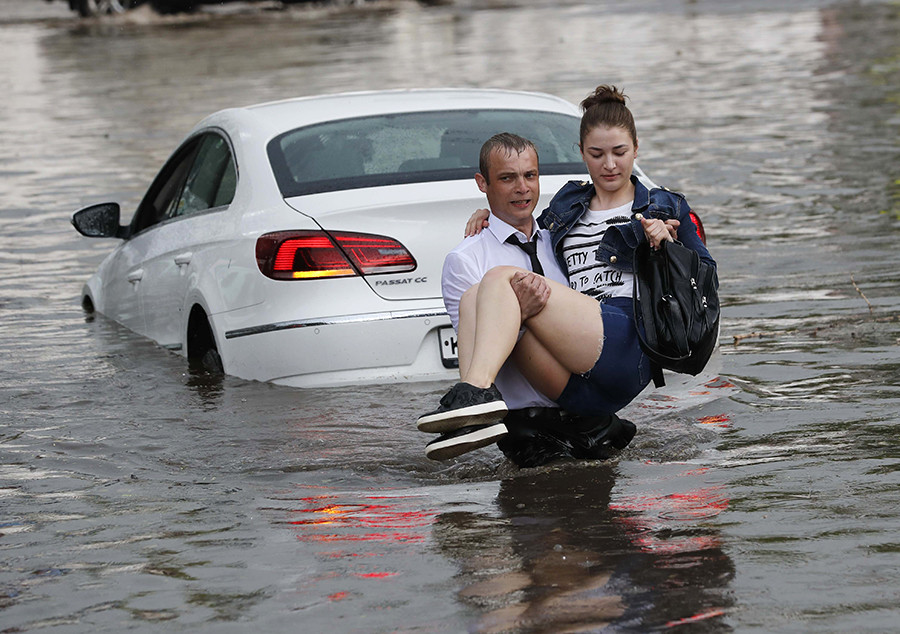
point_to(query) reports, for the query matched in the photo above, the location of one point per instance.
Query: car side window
(199, 176)
(225, 191)
(165, 189)
(211, 180)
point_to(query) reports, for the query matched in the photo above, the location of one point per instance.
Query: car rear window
(413, 148)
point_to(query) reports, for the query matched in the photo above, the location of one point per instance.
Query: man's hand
(532, 291)
(477, 222)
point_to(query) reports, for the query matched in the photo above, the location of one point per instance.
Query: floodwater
(136, 495)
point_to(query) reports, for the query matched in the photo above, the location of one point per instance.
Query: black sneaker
(463, 440)
(464, 405)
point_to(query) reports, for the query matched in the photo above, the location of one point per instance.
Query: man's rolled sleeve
(459, 275)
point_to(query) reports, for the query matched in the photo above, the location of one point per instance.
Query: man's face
(512, 188)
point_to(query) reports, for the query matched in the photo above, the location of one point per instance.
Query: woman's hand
(672, 226)
(477, 222)
(532, 291)
(658, 231)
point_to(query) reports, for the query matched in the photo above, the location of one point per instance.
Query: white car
(301, 241)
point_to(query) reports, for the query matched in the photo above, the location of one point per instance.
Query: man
(508, 175)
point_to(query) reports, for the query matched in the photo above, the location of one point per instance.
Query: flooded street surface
(135, 495)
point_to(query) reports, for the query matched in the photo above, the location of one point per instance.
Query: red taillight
(375, 254)
(699, 224)
(293, 255)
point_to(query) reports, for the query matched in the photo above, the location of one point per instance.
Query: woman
(582, 354)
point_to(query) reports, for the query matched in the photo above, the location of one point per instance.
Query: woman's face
(609, 154)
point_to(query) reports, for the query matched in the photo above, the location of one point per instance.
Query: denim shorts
(621, 372)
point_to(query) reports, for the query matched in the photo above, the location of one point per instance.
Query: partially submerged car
(301, 241)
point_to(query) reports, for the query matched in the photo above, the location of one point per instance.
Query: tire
(202, 353)
(212, 362)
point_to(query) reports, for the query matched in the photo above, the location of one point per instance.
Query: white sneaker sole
(457, 446)
(443, 422)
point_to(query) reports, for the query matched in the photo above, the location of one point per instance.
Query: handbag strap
(655, 369)
(656, 372)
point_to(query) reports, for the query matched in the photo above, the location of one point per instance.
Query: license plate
(448, 348)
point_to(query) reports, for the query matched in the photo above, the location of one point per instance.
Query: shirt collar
(503, 230)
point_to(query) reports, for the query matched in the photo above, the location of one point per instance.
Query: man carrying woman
(578, 348)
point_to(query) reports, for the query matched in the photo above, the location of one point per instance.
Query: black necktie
(531, 249)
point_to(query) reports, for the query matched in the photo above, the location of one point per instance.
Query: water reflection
(549, 550)
(565, 553)
(208, 384)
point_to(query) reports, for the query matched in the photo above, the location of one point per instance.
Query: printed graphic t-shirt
(587, 274)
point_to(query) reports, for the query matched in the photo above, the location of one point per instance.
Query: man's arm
(459, 274)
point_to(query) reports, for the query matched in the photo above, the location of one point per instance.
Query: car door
(124, 273)
(120, 276)
(204, 183)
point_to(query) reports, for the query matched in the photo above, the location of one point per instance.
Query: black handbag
(676, 308)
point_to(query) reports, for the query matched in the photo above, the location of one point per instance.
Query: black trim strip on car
(290, 190)
(334, 321)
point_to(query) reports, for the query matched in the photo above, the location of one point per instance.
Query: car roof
(272, 118)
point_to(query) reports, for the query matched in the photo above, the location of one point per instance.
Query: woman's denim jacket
(618, 244)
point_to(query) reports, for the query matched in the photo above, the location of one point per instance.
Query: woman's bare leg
(465, 335)
(569, 328)
(497, 323)
(540, 368)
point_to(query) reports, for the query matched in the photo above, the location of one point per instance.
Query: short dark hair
(503, 141)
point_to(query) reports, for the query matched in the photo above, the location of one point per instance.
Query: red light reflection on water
(696, 618)
(369, 537)
(722, 420)
(663, 401)
(343, 522)
(660, 523)
(382, 512)
(375, 575)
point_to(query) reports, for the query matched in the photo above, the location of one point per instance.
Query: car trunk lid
(427, 218)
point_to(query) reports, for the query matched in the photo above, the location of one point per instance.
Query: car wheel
(87, 305)
(88, 8)
(202, 352)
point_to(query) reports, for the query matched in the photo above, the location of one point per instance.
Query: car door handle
(135, 276)
(183, 259)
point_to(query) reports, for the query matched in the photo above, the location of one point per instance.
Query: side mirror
(99, 221)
